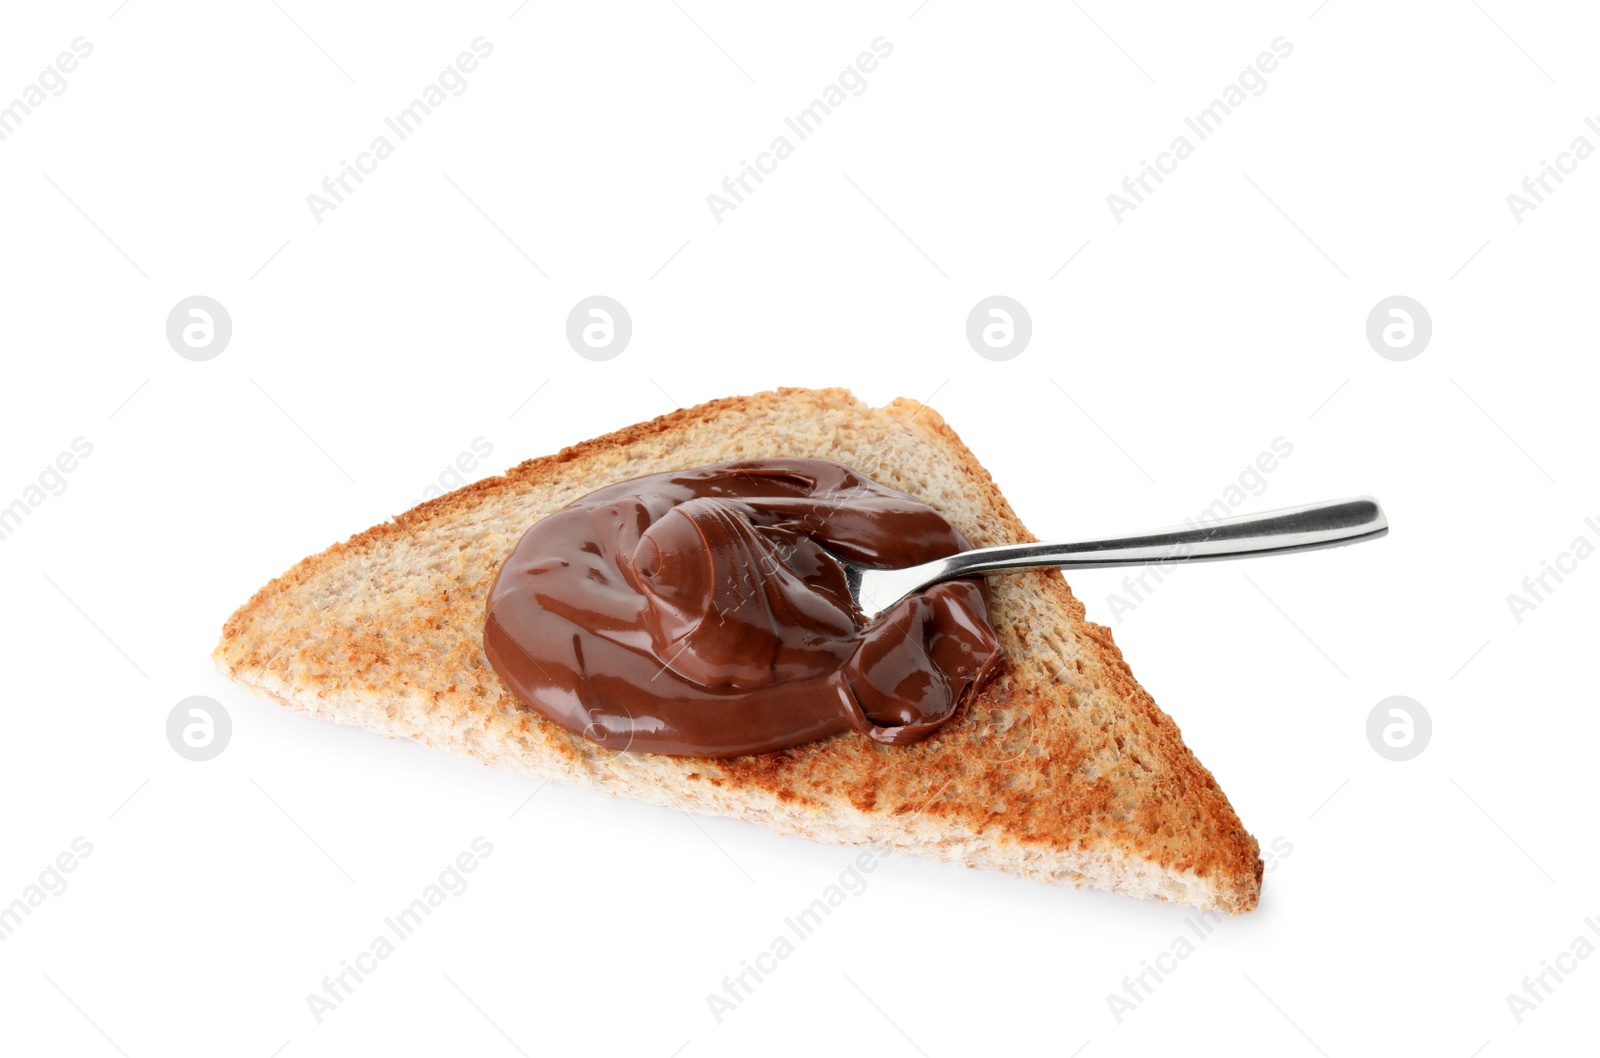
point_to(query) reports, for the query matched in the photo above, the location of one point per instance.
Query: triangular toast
(1061, 770)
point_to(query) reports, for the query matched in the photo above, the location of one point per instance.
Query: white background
(370, 349)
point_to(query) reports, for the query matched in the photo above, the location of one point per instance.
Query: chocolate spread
(704, 613)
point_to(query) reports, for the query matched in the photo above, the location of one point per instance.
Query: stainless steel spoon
(1315, 525)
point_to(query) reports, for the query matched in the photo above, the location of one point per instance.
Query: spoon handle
(1314, 525)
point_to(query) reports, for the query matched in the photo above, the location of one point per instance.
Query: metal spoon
(1315, 525)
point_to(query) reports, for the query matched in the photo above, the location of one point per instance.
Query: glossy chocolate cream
(703, 613)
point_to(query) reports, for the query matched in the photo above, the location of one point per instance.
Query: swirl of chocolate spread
(703, 613)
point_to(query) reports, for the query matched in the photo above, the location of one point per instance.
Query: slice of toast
(1062, 769)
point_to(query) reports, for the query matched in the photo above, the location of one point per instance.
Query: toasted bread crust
(1062, 769)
